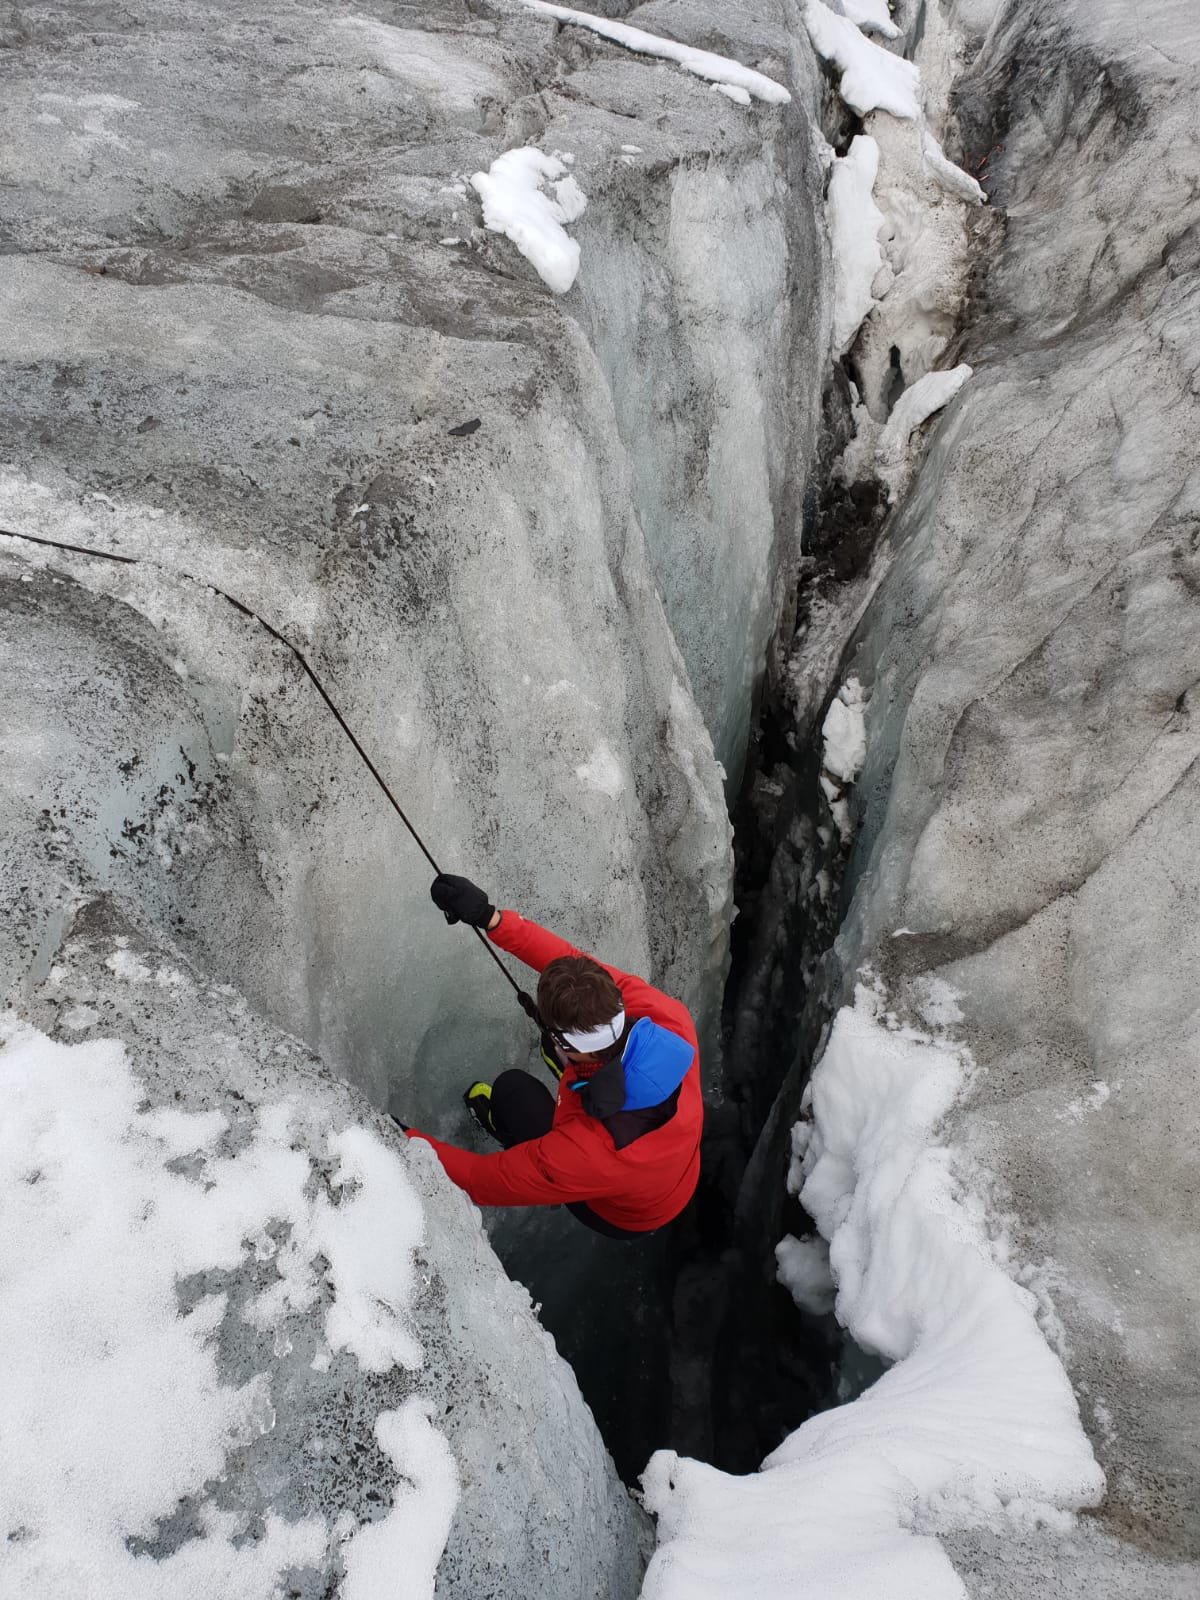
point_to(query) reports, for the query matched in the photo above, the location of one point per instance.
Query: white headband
(597, 1038)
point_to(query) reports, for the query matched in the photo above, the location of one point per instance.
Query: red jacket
(639, 1187)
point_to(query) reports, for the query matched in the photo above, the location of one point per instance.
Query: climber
(620, 1146)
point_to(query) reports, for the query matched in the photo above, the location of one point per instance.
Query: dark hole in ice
(686, 1341)
(895, 386)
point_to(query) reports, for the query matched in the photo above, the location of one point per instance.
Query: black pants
(523, 1108)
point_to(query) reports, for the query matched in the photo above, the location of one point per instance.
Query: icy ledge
(740, 83)
(975, 1425)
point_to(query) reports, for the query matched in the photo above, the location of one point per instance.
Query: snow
(113, 1409)
(937, 1002)
(602, 771)
(1099, 1094)
(975, 1423)
(127, 967)
(915, 406)
(717, 69)
(872, 17)
(802, 1266)
(370, 1267)
(515, 204)
(844, 732)
(951, 178)
(854, 224)
(410, 1539)
(873, 79)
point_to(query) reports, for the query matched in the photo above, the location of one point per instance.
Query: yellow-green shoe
(478, 1101)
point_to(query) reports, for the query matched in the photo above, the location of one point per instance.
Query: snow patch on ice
(114, 1408)
(410, 1539)
(873, 79)
(802, 1266)
(717, 69)
(515, 204)
(951, 178)
(370, 1267)
(1097, 1096)
(602, 771)
(974, 1424)
(937, 1002)
(854, 224)
(79, 1018)
(914, 407)
(128, 967)
(844, 732)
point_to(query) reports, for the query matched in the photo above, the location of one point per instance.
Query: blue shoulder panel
(655, 1062)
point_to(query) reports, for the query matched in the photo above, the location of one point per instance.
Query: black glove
(461, 900)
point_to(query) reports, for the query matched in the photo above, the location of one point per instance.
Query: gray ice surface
(236, 341)
(540, 1508)
(254, 333)
(1028, 815)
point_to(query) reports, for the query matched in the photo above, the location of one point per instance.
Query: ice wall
(1022, 875)
(257, 333)
(1034, 722)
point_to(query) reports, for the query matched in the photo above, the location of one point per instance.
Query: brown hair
(575, 993)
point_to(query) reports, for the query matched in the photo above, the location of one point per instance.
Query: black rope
(526, 1001)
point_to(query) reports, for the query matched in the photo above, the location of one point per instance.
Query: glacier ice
(253, 1334)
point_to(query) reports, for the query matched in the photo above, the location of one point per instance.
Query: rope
(526, 1002)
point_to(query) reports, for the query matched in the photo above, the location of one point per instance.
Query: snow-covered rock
(251, 1333)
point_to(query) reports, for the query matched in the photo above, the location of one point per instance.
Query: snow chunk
(915, 406)
(802, 1266)
(873, 79)
(128, 967)
(717, 69)
(515, 204)
(854, 224)
(976, 1421)
(951, 178)
(734, 92)
(114, 1407)
(872, 17)
(845, 733)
